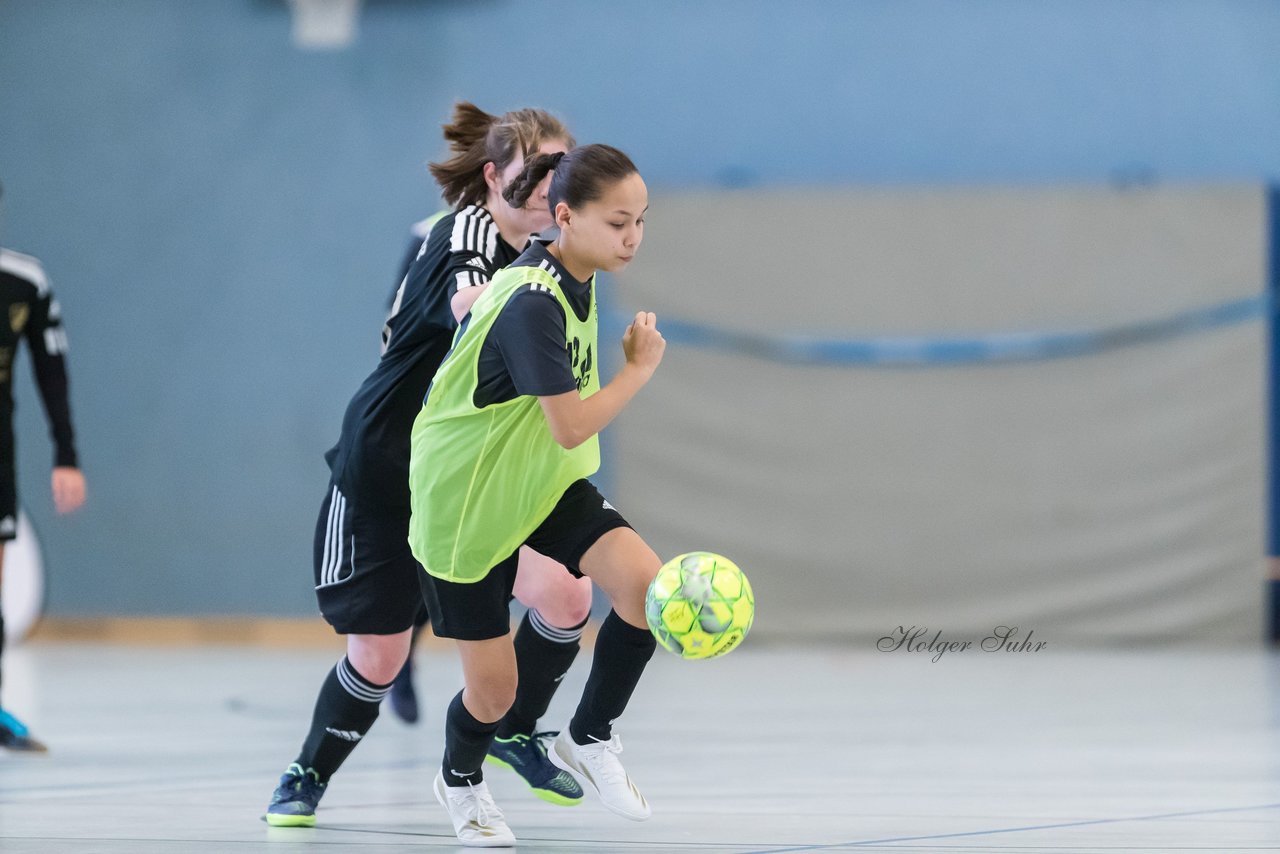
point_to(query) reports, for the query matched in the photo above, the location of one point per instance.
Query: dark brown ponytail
(581, 176)
(535, 169)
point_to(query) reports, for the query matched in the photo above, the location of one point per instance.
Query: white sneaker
(598, 765)
(476, 818)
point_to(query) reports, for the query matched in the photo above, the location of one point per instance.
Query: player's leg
(546, 644)
(345, 710)
(548, 638)
(14, 734)
(403, 698)
(477, 617)
(623, 565)
(590, 537)
(368, 592)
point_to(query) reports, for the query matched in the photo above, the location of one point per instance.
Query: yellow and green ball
(700, 605)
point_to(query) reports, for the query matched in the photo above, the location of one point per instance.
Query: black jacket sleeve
(47, 341)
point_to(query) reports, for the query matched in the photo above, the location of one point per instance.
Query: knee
(378, 658)
(565, 604)
(491, 701)
(574, 602)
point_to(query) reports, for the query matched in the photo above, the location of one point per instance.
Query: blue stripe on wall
(994, 348)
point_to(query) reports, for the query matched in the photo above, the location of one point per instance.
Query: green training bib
(483, 479)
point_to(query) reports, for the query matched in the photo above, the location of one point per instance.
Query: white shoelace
(604, 759)
(486, 807)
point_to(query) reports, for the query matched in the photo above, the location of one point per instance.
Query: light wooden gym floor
(176, 748)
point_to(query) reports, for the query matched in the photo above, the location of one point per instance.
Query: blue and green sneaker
(293, 804)
(527, 756)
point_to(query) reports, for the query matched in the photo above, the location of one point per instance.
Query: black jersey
(371, 459)
(33, 314)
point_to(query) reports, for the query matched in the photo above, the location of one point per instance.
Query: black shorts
(481, 610)
(366, 577)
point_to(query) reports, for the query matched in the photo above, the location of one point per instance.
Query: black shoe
(403, 698)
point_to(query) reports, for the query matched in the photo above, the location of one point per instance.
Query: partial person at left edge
(33, 315)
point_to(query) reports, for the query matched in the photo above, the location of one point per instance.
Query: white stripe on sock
(552, 633)
(356, 686)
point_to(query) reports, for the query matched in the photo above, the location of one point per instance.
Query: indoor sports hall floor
(772, 749)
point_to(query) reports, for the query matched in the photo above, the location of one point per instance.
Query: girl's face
(535, 216)
(606, 233)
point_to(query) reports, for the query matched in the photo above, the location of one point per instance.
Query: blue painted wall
(222, 213)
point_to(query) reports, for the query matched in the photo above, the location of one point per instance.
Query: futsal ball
(700, 605)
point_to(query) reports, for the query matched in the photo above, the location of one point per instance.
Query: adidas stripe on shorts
(366, 578)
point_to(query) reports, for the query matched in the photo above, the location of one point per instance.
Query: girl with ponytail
(501, 453)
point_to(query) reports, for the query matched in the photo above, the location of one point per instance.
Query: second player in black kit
(370, 462)
(366, 578)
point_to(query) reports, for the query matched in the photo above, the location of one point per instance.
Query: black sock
(346, 708)
(466, 741)
(622, 651)
(543, 656)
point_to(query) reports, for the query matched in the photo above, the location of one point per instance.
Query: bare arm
(574, 419)
(464, 299)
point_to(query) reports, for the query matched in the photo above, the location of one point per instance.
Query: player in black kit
(366, 577)
(33, 316)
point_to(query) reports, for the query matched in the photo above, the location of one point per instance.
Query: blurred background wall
(1095, 476)
(221, 215)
